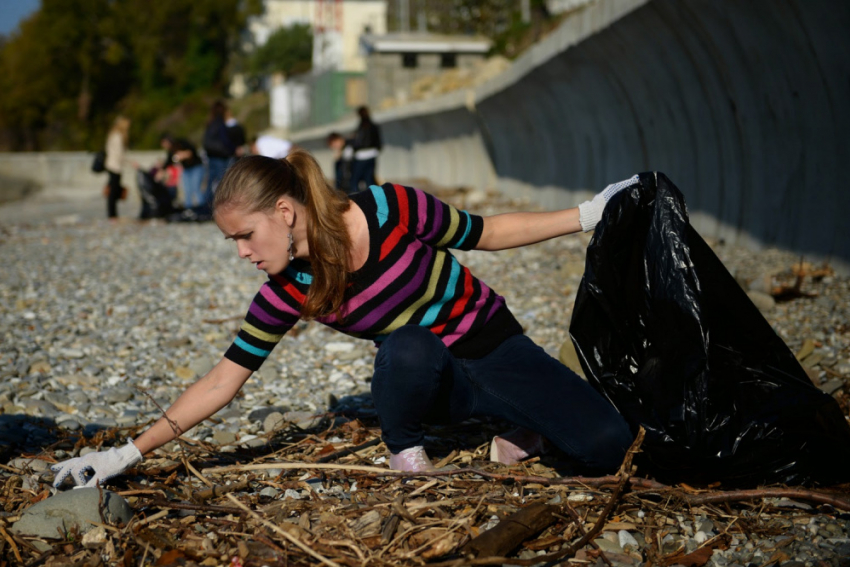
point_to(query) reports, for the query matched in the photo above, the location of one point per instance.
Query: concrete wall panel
(735, 101)
(68, 173)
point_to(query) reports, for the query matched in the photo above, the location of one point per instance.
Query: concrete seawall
(66, 175)
(742, 104)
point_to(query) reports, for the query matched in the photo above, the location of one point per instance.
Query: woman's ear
(285, 208)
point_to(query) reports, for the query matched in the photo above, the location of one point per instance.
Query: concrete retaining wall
(742, 104)
(66, 174)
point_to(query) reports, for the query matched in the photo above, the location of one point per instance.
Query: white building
(337, 26)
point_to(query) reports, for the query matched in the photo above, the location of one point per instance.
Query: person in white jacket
(116, 148)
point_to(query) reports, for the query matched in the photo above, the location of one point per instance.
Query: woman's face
(262, 238)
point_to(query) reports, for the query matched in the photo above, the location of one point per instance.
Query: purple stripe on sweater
(421, 209)
(277, 302)
(258, 312)
(401, 295)
(392, 274)
(500, 301)
(437, 221)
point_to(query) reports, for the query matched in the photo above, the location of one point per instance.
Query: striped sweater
(409, 277)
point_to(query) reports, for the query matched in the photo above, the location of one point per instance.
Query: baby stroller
(157, 198)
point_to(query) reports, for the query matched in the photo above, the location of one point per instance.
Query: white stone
(95, 537)
(625, 538)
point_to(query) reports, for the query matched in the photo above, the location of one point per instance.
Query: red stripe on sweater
(461, 302)
(391, 241)
(404, 219)
(290, 289)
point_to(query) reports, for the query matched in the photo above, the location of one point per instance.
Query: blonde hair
(255, 183)
(121, 124)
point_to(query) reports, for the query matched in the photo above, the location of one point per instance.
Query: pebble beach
(103, 324)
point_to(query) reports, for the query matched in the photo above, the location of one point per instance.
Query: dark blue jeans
(362, 170)
(417, 380)
(216, 168)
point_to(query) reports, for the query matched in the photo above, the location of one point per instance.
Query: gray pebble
(32, 465)
(763, 301)
(260, 414)
(269, 492)
(118, 394)
(833, 386)
(273, 421)
(79, 508)
(607, 545)
(292, 494)
(224, 437)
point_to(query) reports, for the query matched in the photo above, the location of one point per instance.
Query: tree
(76, 63)
(288, 50)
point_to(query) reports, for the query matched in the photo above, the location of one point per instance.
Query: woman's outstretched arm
(200, 400)
(512, 230)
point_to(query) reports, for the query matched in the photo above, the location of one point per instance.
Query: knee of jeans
(405, 353)
(610, 444)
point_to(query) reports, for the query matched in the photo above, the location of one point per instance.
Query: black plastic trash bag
(670, 338)
(157, 200)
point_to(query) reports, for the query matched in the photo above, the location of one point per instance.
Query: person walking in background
(367, 145)
(343, 154)
(219, 148)
(236, 133)
(182, 152)
(116, 149)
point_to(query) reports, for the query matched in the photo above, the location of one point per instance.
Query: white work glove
(590, 212)
(94, 468)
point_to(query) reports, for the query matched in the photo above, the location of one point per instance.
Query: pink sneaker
(512, 447)
(413, 459)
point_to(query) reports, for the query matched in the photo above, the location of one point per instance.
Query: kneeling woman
(376, 265)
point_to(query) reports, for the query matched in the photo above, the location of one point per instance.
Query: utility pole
(525, 9)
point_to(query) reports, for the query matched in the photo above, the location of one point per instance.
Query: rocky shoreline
(105, 324)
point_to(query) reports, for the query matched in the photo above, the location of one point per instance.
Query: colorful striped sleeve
(272, 313)
(429, 219)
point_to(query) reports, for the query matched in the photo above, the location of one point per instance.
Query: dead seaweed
(201, 506)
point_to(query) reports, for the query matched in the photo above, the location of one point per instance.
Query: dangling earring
(291, 255)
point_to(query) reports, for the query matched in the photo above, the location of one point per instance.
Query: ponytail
(255, 183)
(327, 237)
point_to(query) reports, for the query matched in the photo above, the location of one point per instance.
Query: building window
(448, 60)
(409, 60)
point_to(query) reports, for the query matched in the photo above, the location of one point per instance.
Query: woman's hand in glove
(590, 212)
(94, 468)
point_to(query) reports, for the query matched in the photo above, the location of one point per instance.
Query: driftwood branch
(512, 531)
(817, 496)
(647, 485)
(217, 490)
(349, 451)
(209, 508)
